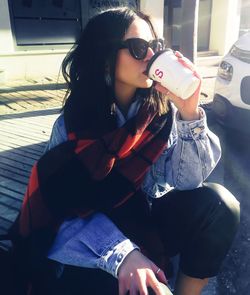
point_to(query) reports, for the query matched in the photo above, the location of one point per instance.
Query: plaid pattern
(87, 174)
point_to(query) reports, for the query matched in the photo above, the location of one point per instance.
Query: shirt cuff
(195, 129)
(114, 257)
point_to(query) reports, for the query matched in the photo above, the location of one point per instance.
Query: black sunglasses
(138, 47)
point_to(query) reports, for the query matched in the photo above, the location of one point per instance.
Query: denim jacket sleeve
(193, 152)
(93, 242)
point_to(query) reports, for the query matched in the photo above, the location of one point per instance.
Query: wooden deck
(23, 138)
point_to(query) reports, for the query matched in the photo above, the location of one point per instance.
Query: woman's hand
(187, 108)
(137, 273)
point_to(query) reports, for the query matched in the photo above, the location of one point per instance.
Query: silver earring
(108, 79)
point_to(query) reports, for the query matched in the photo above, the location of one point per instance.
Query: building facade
(35, 35)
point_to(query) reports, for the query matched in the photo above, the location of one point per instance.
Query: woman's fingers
(159, 273)
(137, 272)
(139, 286)
(161, 89)
(155, 284)
(161, 277)
(136, 285)
(122, 288)
(133, 291)
(167, 92)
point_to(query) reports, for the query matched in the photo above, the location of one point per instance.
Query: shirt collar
(132, 111)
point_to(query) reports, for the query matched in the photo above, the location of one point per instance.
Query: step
(207, 53)
(208, 60)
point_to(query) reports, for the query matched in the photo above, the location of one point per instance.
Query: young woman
(121, 182)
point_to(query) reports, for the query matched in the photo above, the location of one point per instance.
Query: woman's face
(130, 71)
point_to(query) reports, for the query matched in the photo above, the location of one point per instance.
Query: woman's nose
(150, 53)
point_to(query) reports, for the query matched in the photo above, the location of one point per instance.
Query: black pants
(198, 224)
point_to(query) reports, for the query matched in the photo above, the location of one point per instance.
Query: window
(45, 22)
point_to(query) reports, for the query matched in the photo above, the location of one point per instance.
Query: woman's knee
(219, 220)
(217, 213)
(230, 206)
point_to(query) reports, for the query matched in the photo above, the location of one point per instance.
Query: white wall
(154, 8)
(6, 40)
(30, 65)
(225, 23)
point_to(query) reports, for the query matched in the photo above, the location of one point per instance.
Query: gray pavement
(234, 173)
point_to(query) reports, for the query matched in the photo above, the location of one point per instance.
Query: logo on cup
(159, 73)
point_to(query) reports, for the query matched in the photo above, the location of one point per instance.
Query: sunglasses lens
(139, 48)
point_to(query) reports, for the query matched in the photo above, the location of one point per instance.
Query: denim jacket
(95, 242)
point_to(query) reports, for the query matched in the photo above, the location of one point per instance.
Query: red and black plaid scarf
(84, 175)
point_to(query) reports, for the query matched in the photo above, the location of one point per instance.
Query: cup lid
(154, 57)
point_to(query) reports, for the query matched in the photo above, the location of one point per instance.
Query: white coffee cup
(166, 68)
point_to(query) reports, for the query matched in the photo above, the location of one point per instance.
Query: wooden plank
(32, 114)
(51, 94)
(17, 98)
(40, 136)
(13, 163)
(14, 176)
(42, 99)
(20, 142)
(6, 245)
(4, 227)
(27, 126)
(15, 147)
(9, 183)
(4, 224)
(16, 152)
(6, 99)
(11, 192)
(10, 202)
(4, 108)
(28, 138)
(19, 158)
(14, 169)
(57, 96)
(41, 128)
(29, 97)
(33, 120)
(8, 213)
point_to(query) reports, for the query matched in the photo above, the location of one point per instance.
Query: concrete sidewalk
(208, 74)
